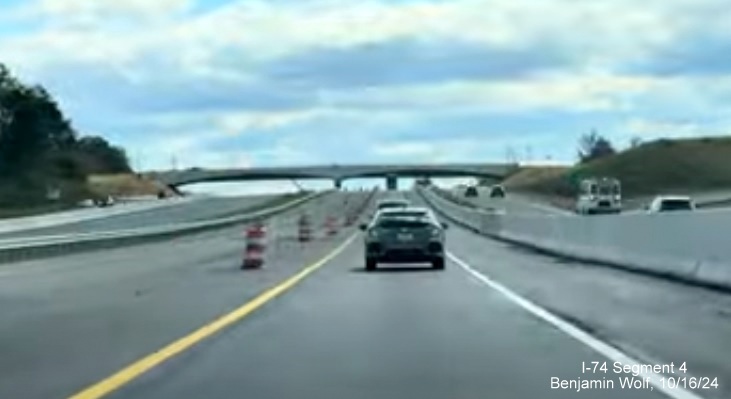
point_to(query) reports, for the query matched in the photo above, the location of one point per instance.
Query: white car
(668, 203)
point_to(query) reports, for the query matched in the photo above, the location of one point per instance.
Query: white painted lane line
(573, 331)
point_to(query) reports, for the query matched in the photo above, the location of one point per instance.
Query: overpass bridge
(336, 173)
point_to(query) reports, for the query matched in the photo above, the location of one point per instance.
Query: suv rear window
(676, 205)
(396, 223)
(384, 205)
(405, 214)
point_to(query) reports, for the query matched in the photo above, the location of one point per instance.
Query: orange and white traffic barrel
(256, 245)
(331, 226)
(304, 229)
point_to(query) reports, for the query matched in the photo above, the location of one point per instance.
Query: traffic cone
(254, 253)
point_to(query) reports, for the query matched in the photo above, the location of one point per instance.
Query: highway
(188, 211)
(513, 203)
(83, 214)
(498, 322)
(521, 203)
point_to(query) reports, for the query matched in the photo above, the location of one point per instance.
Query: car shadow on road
(395, 269)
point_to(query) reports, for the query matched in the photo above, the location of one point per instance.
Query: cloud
(650, 128)
(401, 149)
(289, 82)
(86, 14)
(698, 55)
(148, 93)
(410, 61)
(653, 129)
(568, 92)
(266, 31)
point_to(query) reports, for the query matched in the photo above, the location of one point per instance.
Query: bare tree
(593, 146)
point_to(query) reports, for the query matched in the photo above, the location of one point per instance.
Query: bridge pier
(338, 183)
(391, 182)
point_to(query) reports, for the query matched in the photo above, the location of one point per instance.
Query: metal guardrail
(16, 249)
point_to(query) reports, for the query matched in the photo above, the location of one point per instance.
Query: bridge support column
(338, 183)
(391, 182)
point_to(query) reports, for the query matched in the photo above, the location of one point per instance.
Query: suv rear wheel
(438, 263)
(371, 264)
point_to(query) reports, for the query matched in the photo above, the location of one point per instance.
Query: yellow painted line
(136, 369)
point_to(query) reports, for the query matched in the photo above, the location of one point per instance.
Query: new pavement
(189, 211)
(513, 203)
(499, 322)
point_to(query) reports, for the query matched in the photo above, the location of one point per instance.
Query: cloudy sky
(221, 83)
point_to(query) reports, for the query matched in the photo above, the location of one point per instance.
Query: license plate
(405, 237)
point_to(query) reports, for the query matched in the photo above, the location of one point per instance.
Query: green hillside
(689, 165)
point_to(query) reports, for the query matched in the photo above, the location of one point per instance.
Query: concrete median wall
(692, 247)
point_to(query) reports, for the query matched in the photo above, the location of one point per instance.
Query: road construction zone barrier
(304, 229)
(256, 244)
(331, 226)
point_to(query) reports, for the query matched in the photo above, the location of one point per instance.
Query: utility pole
(510, 156)
(528, 153)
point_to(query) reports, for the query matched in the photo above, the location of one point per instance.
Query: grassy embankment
(686, 166)
(97, 186)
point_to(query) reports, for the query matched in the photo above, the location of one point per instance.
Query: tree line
(593, 146)
(40, 151)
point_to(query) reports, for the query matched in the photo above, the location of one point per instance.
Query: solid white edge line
(574, 332)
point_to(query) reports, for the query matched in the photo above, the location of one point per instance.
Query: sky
(225, 83)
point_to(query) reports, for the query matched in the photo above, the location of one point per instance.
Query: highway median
(689, 248)
(18, 249)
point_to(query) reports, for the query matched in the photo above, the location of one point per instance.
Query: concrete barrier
(692, 247)
(37, 247)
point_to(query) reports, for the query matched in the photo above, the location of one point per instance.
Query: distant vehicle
(406, 235)
(671, 204)
(471, 192)
(87, 203)
(423, 182)
(599, 195)
(392, 203)
(104, 202)
(497, 191)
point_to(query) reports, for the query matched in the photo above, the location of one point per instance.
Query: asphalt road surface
(521, 203)
(200, 209)
(83, 214)
(513, 203)
(499, 322)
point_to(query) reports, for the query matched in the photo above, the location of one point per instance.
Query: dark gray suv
(406, 235)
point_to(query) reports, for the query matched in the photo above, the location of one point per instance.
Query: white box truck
(599, 196)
